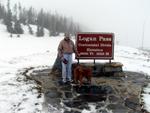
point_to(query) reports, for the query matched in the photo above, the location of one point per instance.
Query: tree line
(17, 16)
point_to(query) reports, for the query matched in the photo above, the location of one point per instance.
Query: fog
(129, 20)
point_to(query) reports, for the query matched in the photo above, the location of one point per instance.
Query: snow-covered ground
(16, 54)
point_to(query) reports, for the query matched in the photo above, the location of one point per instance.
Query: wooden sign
(95, 46)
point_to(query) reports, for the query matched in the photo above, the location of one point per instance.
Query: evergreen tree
(40, 18)
(31, 15)
(2, 11)
(8, 18)
(40, 23)
(40, 31)
(23, 15)
(17, 25)
(30, 29)
(54, 22)
(17, 28)
(15, 17)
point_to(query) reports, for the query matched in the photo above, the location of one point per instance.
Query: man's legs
(63, 72)
(69, 67)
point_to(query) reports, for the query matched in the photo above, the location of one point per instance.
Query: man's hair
(67, 35)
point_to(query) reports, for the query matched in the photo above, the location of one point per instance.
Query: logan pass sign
(95, 45)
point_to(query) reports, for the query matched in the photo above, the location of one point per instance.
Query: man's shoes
(62, 82)
(70, 81)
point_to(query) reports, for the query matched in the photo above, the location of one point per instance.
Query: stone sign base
(104, 69)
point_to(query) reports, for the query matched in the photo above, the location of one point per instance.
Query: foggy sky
(127, 19)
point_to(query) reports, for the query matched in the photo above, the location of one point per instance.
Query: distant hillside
(4, 33)
(14, 17)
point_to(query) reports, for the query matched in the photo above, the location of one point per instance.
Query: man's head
(67, 36)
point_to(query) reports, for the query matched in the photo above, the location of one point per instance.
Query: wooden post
(78, 60)
(110, 61)
(94, 61)
(94, 65)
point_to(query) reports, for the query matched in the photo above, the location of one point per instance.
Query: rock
(133, 103)
(84, 106)
(103, 111)
(113, 99)
(73, 103)
(53, 94)
(100, 105)
(117, 108)
(68, 95)
(92, 98)
(93, 89)
(55, 102)
(65, 87)
(133, 111)
(72, 111)
(67, 111)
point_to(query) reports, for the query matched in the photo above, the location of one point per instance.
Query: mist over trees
(16, 16)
